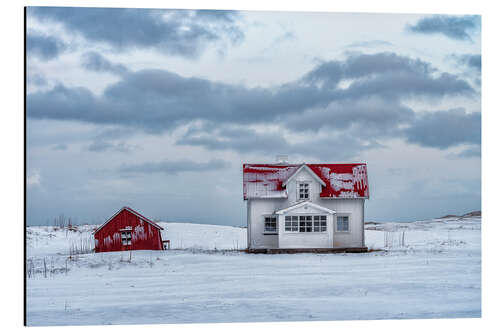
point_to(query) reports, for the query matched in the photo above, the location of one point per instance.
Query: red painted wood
(146, 235)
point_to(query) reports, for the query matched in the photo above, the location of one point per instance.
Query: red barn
(128, 230)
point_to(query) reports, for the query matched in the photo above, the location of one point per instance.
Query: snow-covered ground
(427, 269)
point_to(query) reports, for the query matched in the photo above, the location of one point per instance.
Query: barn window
(270, 225)
(305, 223)
(126, 237)
(303, 191)
(343, 223)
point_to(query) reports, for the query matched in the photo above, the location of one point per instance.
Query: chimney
(282, 159)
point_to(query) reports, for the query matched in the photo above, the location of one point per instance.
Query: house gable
(306, 168)
(145, 219)
(305, 207)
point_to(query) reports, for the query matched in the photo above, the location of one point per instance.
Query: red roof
(347, 180)
(133, 212)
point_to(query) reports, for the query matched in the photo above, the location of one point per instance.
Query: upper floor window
(270, 224)
(304, 191)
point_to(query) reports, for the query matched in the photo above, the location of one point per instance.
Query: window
(320, 223)
(126, 237)
(305, 223)
(292, 223)
(343, 223)
(270, 224)
(303, 191)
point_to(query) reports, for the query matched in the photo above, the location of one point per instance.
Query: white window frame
(322, 224)
(275, 232)
(309, 187)
(127, 240)
(348, 223)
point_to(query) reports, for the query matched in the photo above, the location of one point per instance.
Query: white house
(305, 206)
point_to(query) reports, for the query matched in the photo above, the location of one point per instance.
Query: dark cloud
(335, 146)
(385, 75)
(173, 167)
(43, 47)
(94, 61)
(178, 32)
(103, 146)
(454, 27)
(60, 146)
(368, 117)
(444, 129)
(158, 100)
(368, 109)
(472, 61)
(36, 79)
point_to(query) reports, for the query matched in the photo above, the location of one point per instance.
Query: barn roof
(133, 212)
(343, 180)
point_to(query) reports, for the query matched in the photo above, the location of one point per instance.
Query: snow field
(436, 274)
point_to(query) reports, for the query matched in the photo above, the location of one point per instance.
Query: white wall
(256, 208)
(355, 209)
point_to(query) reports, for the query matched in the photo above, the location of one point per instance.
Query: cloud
(272, 143)
(444, 129)
(473, 151)
(472, 61)
(367, 117)
(102, 146)
(157, 100)
(60, 147)
(368, 109)
(94, 61)
(43, 47)
(36, 79)
(33, 178)
(173, 167)
(176, 32)
(454, 27)
(370, 44)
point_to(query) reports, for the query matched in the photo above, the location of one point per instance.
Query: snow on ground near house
(435, 272)
(204, 236)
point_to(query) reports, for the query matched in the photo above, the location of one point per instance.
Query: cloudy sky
(158, 109)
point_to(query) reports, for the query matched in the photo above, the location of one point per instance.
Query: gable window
(126, 236)
(270, 224)
(305, 223)
(343, 223)
(303, 191)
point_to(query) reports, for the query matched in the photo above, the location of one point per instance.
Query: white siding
(355, 209)
(256, 209)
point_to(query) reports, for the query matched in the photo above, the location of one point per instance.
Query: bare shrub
(81, 246)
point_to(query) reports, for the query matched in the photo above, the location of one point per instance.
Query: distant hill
(470, 214)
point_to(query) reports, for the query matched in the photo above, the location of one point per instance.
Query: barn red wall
(144, 235)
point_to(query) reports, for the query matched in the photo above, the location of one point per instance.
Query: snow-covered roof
(133, 212)
(345, 180)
